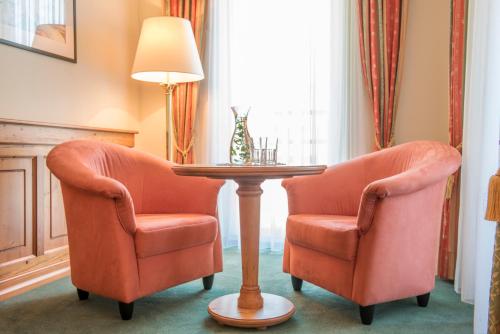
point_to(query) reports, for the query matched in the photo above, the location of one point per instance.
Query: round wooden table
(249, 308)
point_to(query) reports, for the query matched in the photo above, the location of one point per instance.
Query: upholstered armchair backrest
(132, 176)
(340, 188)
(89, 161)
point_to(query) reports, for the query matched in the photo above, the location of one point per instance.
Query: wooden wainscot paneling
(33, 236)
(16, 208)
(55, 233)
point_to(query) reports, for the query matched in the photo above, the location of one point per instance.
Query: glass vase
(240, 152)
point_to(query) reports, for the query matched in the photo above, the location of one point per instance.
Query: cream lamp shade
(166, 52)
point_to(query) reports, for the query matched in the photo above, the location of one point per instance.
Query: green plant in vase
(240, 151)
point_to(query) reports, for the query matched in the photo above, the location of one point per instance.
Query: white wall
(423, 101)
(96, 91)
(152, 117)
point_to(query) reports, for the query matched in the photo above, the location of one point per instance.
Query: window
(288, 60)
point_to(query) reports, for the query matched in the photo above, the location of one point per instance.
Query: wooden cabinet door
(17, 235)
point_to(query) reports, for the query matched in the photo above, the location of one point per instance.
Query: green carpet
(55, 308)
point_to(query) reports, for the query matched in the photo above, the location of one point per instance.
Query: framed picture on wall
(47, 27)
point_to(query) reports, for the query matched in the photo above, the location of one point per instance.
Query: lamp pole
(169, 90)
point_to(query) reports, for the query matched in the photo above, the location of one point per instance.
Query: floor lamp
(167, 54)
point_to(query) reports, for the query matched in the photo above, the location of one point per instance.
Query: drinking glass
(265, 151)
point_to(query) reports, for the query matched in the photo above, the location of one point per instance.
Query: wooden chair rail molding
(33, 241)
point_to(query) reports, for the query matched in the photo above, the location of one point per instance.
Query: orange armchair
(134, 227)
(368, 229)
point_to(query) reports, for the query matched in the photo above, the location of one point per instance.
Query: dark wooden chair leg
(82, 294)
(208, 281)
(366, 314)
(423, 300)
(126, 310)
(296, 283)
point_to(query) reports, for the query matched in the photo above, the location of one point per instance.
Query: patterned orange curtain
(382, 27)
(185, 97)
(449, 224)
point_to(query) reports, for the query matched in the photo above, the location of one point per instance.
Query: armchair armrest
(403, 184)
(94, 183)
(81, 178)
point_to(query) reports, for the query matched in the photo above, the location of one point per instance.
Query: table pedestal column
(249, 194)
(250, 308)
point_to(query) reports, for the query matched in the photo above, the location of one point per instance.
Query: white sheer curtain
(289, 60)
(480, 157)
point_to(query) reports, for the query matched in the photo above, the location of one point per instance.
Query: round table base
(276, 310)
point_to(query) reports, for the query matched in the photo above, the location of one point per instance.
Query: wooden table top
(226, 171)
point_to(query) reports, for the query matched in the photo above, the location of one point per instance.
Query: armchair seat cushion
(334, 235)
(163, 233)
